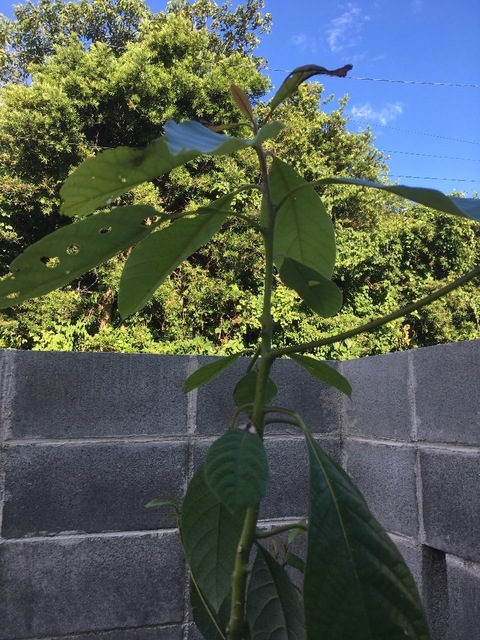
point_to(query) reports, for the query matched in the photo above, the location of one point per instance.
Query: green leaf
(300, 75)
(73, 250)
(154, 259)
(464, 207)
(323, 372)
(356, 582)
(274, 610)
(236, 469)
(208, 372)
(99, 180)
(206, 620)
(319, 293)
(244, 392)
(189, 136)
(210, 534)
(160, 502)
(295, 561)
(303, 229)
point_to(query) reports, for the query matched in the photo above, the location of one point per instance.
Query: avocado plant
(353, 582)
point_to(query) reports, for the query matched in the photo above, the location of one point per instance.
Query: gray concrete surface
(88, 439)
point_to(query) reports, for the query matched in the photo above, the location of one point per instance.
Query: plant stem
(301, 524)
(235, 628)
(374, 324)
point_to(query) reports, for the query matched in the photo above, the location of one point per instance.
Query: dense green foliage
(195, 212)
(107, 73)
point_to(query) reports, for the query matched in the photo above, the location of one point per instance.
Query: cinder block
(318, 405)
(379, 407)
(76, 584)
(447, 398)
(451, 505)
(75, 395)
(150, 633)
(464, 599)
(412, 555)
(88, 488)
(385, 474)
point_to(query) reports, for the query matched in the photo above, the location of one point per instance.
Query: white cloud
(417, 5)
(383, 116)
(345, 30)
(304, 42)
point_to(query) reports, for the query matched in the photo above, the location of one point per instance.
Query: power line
(419, 82)
(418, 133)
(390, 175)
(416, 82)
(429, 155)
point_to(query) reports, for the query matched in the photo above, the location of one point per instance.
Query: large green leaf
(210, 534)
(300, 75)
(319, 293)
(464, 207)
(154, 259)
(208, 372)
(73, 250)
(303, 229)
(101, 179)
(356, 582)
(246, 387)
(193, 137)
(274, 610)
(236, 469)
(207, 621)
(323, 372)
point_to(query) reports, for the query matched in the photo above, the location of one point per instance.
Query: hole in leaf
(11, 296)
(50, 262)
(105, 230)
(73, 249)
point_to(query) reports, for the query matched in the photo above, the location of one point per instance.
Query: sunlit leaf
(274, 610)
(323, 372)
(73, 250)
(210, 534)
(464, 207)
(303, 229)
(319, 293)
(242, 101)
(244, 392)
(154, 259)
(208, 372)
(108, 175)
(300, 75)
(189, 136)
(236, 469)
(356, 582)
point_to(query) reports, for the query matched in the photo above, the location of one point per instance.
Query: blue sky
(430, 131)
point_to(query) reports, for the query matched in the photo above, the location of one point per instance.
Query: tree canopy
(79, 77)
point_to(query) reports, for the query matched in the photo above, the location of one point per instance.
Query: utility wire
(429, 155)
(416, 82)
(418, 133)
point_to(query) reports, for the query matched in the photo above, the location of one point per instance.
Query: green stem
(379, 322)
(240, 574)
(235, 628)
(301, 524)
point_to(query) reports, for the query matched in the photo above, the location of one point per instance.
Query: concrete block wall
(88, 439)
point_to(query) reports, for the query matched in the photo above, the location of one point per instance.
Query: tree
(87, 96)
(38, 27)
